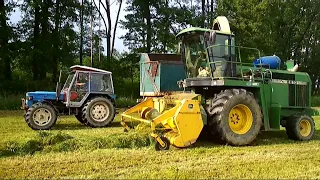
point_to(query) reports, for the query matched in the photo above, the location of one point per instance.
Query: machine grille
(298, 95)
(292, 95)
(302, 95)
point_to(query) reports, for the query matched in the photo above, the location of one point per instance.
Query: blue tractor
(88, 94)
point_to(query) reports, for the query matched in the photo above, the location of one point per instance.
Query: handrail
(236, 47)
(255, 67)
(252, 68)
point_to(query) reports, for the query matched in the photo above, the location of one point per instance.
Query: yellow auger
(180, 116)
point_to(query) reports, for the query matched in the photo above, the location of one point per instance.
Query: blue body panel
(40, 96)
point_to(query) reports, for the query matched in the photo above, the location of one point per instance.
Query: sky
(17, 15)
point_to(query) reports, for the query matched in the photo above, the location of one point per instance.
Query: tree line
(56, 34)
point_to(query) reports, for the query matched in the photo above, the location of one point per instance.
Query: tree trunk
(149, 30)
(103, 19)
(56, 42)
(45, 41)
(36, 33)
(108, 32)
(91, 34)
(4, 33)
(167, 25)
(81, 33)
(203, 5)
(115, 27)
(211, 12)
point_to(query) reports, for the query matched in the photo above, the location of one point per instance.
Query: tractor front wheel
(300, 127)
(98, 112)
(41, 116)
(235, 117)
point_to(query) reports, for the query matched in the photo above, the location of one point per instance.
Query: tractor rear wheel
(234, 117)
(300, 127)
(98, 112)
(79, 118)
(41, 116)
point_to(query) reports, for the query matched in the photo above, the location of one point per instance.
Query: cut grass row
(72, 150)
(67, 135)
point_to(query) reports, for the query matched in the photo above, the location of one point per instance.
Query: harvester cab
(230, 100)
(87, 93)
(207, 52)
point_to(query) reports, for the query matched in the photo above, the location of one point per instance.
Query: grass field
(72, 150)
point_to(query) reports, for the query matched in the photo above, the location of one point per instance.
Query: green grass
(315, 101)
(10, 101)
(72, 150)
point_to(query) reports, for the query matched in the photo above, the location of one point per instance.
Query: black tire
(293, 127)
(36, 122)
(158, 147)
(218, 117)
(91, 119)
(79, 118)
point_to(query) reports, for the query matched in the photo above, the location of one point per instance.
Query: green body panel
(170, 74)
(277, 100)
(275, 116)
(281, 92)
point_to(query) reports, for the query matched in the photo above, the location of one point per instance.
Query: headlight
(30, 98)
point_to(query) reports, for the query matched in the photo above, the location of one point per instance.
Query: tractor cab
(82, 81)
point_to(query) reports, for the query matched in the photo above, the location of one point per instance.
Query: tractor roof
(193, 30)
(87, 68)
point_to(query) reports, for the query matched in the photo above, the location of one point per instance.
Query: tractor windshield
(68, 81)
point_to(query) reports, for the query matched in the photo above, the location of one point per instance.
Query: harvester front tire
(300, 127)
(158, 146)
(98, 112)
(41, 116)
(228, 107)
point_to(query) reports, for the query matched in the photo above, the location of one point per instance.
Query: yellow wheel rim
(305, 128)
(240, 119)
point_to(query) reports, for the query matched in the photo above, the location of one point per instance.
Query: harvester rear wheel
(98, 112)
(300, 127)
(158, 146)
(235, 117)
(41, 116)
